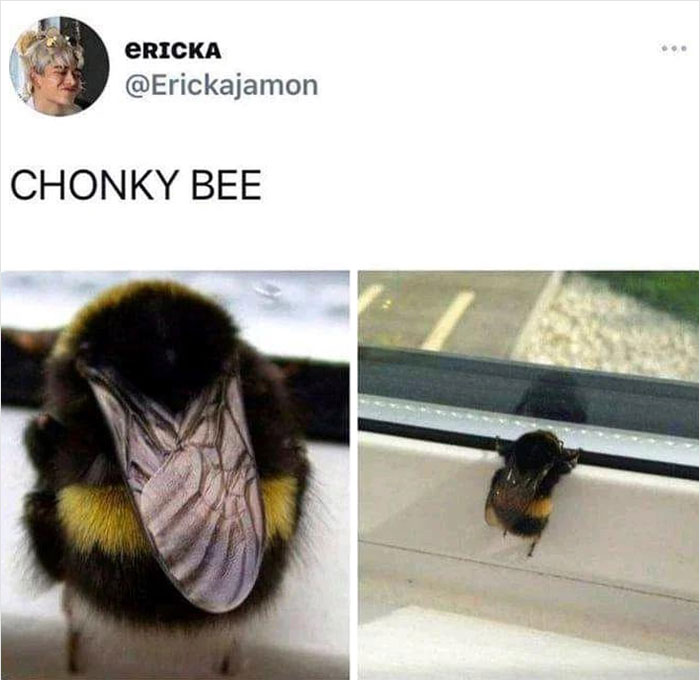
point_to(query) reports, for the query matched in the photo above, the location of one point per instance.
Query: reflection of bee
(170, 471)
(520, 498)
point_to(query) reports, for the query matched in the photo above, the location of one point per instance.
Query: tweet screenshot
(349, 339)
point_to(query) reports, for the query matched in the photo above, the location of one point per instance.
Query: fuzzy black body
(170, 343)
(519, 500)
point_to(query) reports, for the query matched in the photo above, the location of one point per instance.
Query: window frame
(626, 403)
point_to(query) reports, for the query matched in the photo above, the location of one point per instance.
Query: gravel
(587, 325)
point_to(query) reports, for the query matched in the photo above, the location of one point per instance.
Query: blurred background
(636, 323)
(290, 314)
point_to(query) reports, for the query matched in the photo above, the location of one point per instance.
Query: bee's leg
(532, 546)
(73, 640)
(570, 462)
(225, 665)
(575, 457)
(505, 532)
(41, 438)
(40, 518)
(232, 663)
(73, 636)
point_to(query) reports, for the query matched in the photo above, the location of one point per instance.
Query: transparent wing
(142, 431)
(201, 506)
(204, 509)
(511, 493)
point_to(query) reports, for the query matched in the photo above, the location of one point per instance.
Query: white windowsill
(611, 585)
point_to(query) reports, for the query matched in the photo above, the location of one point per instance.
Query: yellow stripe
(447, 322)
(367, 297)
(540, 508)
(103, 516)
(280, 501)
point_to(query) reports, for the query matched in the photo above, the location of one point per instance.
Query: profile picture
(59, 66)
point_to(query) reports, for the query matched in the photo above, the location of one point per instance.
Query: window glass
(633, 323)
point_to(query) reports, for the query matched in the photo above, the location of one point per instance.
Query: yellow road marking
(368, 296)
(448, 321)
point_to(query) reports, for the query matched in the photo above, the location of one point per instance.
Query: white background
(465, 135)
(446, 135)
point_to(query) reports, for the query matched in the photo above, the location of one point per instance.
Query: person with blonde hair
(53, 71)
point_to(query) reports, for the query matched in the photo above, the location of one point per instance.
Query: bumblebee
(520, 497)
(170, 471)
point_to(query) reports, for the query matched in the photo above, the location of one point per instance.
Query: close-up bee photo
(183, 485)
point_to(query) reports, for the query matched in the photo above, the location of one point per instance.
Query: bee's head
(163, 339)
(536, 450)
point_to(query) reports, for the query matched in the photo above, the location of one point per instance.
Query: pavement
(474, 313)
